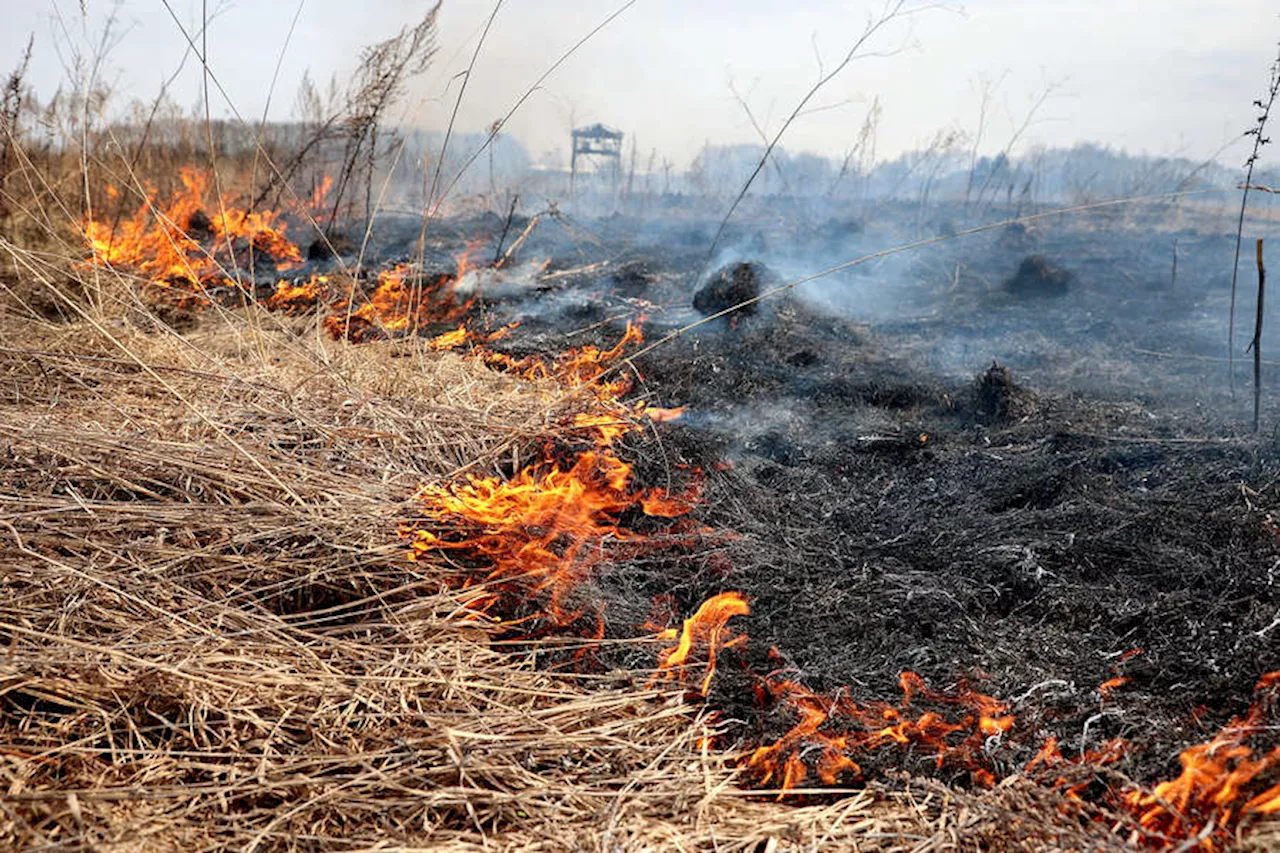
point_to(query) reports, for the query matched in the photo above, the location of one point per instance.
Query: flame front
(539, 537)
(401, 304)
(167, 241)
(543, 531)
(1222, 783)
(541, 534)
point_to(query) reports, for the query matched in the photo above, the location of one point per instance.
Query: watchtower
(596, 141)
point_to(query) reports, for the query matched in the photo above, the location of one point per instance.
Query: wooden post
(1257, 340)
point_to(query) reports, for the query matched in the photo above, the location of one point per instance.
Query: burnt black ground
(890, 520)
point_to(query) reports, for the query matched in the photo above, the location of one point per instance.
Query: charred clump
(1017, 237)
(633, 278)
(996, 397)
(199, 226)
(1037, 277)
(330, 246)
(731, 286)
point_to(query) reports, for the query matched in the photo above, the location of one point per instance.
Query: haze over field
(1166, 78)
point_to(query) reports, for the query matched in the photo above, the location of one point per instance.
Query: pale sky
(1155, 76)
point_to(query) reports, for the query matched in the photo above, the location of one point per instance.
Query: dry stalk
(1260, 125)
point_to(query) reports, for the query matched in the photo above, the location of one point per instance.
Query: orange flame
(706, 628)
(177, 242)
(1221, 784)
(450, 340)
(401, 304)
(319, 193)
(291, 297)
(579, 366)
(1106, 688)
(544, 531)
(835, 729)
(663, 416)
(1072, 775)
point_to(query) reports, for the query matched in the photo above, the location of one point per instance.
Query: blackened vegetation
(732, 286)
(333, 245)
(1036, 276)
(1008, 527)
(996, 397)
(974, 532)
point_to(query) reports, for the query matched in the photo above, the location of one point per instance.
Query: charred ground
(1018, 527)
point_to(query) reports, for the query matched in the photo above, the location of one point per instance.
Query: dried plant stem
(1256, 346)
(506, 228)
(1259, 140)
(891, 12)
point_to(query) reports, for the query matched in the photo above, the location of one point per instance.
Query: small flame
(1221, 783)
(319, 193)
(292, 297)
(663, 416)
(401, 304)
(450, 340)
(584, 366)
(1106, 688)
(706, 628)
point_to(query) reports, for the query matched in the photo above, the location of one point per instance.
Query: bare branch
(893, 10)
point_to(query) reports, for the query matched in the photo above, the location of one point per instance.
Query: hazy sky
(1156, 76)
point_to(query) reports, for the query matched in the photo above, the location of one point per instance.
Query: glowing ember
(831, 730)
